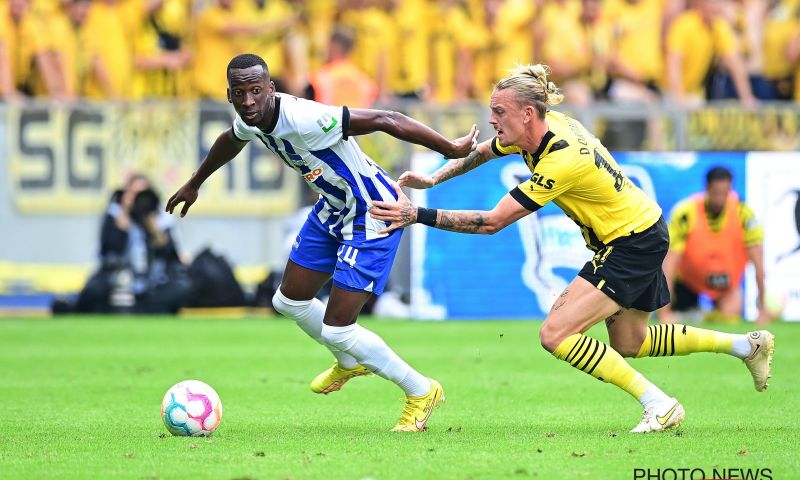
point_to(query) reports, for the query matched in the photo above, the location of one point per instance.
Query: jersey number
(347, 255)
(601, 163)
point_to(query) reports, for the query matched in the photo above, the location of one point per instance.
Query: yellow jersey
(373, 27)
(698, 43)
(66, 42)
(575, 171)
(107, 25)
(215, 49)
(409, 65)
(500, 43)
(171, 23)
(270, 44)
(451, 35)
(560, 36)
(781, 26)
(637, 35)
(23, 43)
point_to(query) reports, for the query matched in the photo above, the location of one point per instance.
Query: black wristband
(427, 216)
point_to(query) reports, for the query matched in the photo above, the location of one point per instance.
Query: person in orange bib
(340, 81)
(712, 237)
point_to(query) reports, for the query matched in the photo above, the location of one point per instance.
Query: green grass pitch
(81, 398)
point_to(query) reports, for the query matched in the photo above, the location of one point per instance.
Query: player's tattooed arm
(403, 212)
(464, 221)
(482, 154)
(456, 167)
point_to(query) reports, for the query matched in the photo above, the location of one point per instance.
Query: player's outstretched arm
(225, 147)
(404, 213)
(451, 169)
(364, 121)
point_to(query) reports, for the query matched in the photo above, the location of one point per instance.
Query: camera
(145, 203)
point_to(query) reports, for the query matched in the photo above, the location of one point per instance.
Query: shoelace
(407, 417)
(647, 415)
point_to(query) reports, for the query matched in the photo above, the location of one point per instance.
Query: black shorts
(628, 269)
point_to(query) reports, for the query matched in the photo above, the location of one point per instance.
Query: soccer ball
(191, 408)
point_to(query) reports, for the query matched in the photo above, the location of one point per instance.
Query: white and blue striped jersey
(312, 139)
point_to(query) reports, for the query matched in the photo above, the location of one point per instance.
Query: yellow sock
(664, 340)
(602, 362)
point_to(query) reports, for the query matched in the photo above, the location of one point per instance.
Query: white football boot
(759, 362)
(661, 416)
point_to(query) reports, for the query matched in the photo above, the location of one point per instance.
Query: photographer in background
(140, 270)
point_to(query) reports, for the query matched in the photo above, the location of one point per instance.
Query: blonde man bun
(531, 85)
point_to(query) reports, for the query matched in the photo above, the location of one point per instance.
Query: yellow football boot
(335, 377)
(418, 410)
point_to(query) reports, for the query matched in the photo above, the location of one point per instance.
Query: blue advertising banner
(519, 271)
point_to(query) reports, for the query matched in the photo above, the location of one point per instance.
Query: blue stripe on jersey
(319, 205)
(331, 158)
(383, 179)
(320, 182)
(336, 218)
(372, 190)
(275, 150)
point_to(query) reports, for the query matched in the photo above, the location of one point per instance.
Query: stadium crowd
(678, 51)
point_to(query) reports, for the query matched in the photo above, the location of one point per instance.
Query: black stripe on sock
(657, 341)
(577, 350)
(599, 357)
(585, 351)
(591, 357)
(573, 349)
(672, 335)
(665, 340)
(652, 334)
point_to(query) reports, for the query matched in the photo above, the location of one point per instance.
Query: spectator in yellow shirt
(220, 32)
(277, 36)
(8, 87)
(503, 34)
(694, 39)
(782, 25)
(562, 44)
(410, 63)
(452, 50)
(107, 29)
(30, 62)
(375, 37)
(161, 54)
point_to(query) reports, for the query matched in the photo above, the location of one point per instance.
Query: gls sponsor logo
(543, 181)
(313, 174)
(717, 473)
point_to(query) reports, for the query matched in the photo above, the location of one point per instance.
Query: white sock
(372, 352)
(652, 396)
(741, 346)
(308, 315)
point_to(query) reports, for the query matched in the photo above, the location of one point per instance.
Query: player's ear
(228, 93)
(529, 113)
(271, 87)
